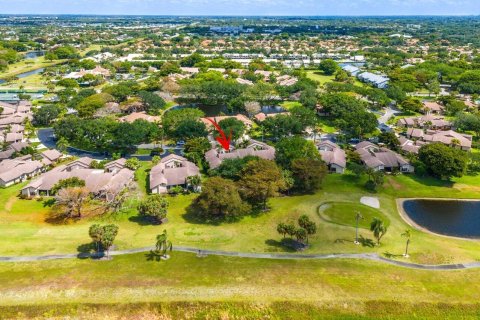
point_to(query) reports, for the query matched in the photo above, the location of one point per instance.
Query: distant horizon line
(237, 16)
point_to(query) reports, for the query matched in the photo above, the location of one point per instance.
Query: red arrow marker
(223, 140)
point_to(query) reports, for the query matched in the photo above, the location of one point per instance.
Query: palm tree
(406, 234)
(358, 217)
(163, 244)
(378, 228)
(194, 182)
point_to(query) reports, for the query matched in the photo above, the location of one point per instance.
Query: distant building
(354, 71)
(428, 121)
(375, 80)
(449, 138)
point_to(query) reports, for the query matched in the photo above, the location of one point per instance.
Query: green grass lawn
(319, 76)
(33, 82)
(287, 105)
(187, 287)
(341, 213)
(26, 232)
(28, 65)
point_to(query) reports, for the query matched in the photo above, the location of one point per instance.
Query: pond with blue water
(457, 218)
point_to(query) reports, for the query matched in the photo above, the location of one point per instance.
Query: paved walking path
(273, 256)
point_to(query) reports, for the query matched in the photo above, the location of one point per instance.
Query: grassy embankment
(187, 287)
(27, 232)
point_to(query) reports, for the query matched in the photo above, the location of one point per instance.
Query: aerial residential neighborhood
(213, 159)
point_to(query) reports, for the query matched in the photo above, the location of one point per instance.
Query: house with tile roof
(382, 159)
(334, 157)
(99, 182)
(172, 171)
(215, 156)
(450, 138)
(20, 169)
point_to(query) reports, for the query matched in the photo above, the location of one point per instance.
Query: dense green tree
(45, 115)
(308, 225)
(232, 125)
(96, 232)
(390, 140)
(173, 118)
(195, 149)
(411, 105)
(469, 82)
(109, 234)
(192, 60)
(89, 105)
(219, 199)
(232, 168)
(454, 106)
(289, 149)
(68, 83)
(153, 102)
(121, 91)
(282, 126)
(306, 116)
(189, 129)
(308, 174)
(261, 179)
(328, 66)
(468, 122)
(443, 161)
(154, 207)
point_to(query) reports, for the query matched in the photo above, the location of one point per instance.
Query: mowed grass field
(25, 230)
(188, 287)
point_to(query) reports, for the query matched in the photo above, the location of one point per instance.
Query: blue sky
(244, 7)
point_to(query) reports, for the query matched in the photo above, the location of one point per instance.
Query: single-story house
(429, 121)
(433, 107)
(52, 155)
(173, 170)
(17, 170)
(376, 80)
(97, 181)
(333, 155)
(262, 150)
(382, 159)
(116, 165)
(450, 137)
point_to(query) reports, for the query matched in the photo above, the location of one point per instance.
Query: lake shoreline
(403, 214)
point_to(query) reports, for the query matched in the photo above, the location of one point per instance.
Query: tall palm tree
(358, 217)
(163, 244)
(407, 234)
(378, 228)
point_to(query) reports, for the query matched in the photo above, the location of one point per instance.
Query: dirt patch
(430, 257)
(395, 185)
(463, 187)
(10, 202)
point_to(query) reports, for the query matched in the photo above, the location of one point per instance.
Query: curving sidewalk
(274, 256)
